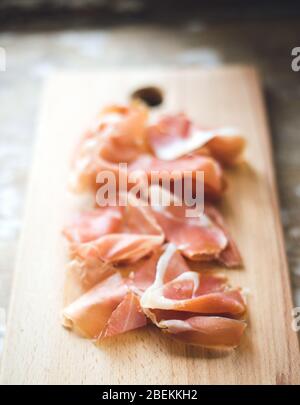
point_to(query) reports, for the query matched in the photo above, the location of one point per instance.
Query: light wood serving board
(38, 350)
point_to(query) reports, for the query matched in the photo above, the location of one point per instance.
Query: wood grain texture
(38, 350)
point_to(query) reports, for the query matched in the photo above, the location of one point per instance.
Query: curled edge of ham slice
(207, 331)
(174, 136)
(230, 256)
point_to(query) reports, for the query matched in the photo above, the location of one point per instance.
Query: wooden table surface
(33, 55)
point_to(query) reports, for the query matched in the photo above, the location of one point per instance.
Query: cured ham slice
(143, 275)
(89, 314)
(178, 306)
(118, 248)
(138, 236)
(127, 316)
(82, 275)
(86, 178)
(184, 168)
(206, 331)
(90, 225)
(184, 292)
(124, 137)
(230, 256)
(197, 238)
(203, 237)
(174, 136)
(107, 309)
(118, 135)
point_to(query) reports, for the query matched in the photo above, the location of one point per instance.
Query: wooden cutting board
(38, 350)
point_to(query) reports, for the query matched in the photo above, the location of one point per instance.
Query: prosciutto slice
(197, 238)
(230, 256)
(184, 168)
(200, 238)
(118, 135)
(107, 309)
(174, 136)
(186, 293)
(138, 235)
(127, 316)
(82, 275)
(93, 224)
(144, 273)
(194, 307)
(206, 331)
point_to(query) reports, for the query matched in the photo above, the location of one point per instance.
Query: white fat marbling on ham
(153, 297)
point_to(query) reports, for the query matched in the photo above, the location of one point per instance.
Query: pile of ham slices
(135, 265)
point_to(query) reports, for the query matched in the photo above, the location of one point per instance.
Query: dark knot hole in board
(150, 95)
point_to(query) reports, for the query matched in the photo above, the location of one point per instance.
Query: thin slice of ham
(193, 307)
(200, 238)
(183, 293)
(107, 309)
(230, 256)
(174, 136)
(117, 136)
(213, 332)
(90, 225)
(88, 177)
(127, 316)
(183, 169)
(197, 238)
(82, 275)
(144, 273)
(138, 236)
(89, 314)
